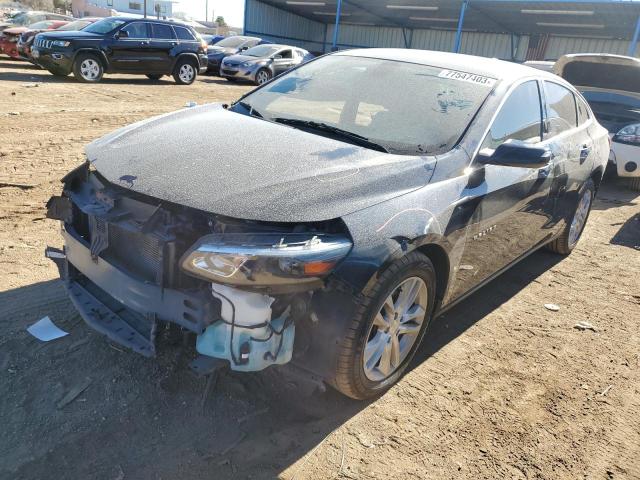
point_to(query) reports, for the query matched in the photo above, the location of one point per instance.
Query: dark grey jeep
(345, 205)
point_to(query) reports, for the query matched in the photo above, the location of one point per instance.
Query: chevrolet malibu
(347, 203)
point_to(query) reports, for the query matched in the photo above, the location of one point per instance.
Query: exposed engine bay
(134, 265)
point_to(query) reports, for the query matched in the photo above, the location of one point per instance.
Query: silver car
(261, 63)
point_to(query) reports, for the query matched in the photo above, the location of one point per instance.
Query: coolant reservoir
(254, 348)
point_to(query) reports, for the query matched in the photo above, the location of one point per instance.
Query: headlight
(629, 135)
(265, 260)
(246, 64)
(60, 43)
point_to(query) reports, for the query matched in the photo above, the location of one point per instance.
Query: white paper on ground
(45, 330)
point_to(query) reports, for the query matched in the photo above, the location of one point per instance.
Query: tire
(634, 184)
(185, 72)
(566, 242)
(155, 77)
(352, 377)
(262, 76)
(87, 68)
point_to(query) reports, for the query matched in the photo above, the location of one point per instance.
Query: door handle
(144, 43)
(584, 153)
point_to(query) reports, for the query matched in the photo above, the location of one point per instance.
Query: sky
(231, 10)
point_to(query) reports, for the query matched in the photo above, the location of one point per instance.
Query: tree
(220, 21)
(39, 4)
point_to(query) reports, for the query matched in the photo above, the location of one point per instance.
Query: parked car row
(252, 59)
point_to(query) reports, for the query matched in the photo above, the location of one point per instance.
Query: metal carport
(512, 29)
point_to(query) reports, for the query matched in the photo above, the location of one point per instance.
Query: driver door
(131, 48)
(512, 205)
(283, 61)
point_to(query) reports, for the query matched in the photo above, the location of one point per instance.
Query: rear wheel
(154, 77)
(263, 76)
(185, 72)
(566, 242)
(88, 68)
(634, 184)
(387, 329)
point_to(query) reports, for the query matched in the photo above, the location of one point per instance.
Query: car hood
(221, 50)
(234, 165)
(15, 30)
(72, 35)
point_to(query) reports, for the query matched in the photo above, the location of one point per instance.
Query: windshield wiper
(252, 111)
(339, 132)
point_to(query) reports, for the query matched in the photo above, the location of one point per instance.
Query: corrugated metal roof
(586, 18)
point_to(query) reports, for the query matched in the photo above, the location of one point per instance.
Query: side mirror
(244, 48)
(516, 154)
(277, 57)
(122, 34)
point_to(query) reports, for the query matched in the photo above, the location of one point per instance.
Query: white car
(611, 85)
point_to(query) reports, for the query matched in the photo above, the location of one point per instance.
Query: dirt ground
(502, 388)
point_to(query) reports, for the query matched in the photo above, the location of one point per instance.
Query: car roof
(488, 67)
(150, 19)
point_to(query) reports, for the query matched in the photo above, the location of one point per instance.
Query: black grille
(229, 72)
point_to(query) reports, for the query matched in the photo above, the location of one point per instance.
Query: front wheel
(566, 242)
(87, 68)
(185, 72)
(263, 76)
(389, 324)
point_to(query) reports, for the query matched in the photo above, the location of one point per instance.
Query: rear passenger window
(583, 111)
(136, 30)
(561, 109)
(520, 118)
(162, 32)
(183, 33)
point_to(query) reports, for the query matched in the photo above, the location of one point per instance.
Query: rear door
(130, 51)
(566, 132)
(511, 205)
(163, 43)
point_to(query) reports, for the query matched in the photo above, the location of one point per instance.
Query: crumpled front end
(133, 265)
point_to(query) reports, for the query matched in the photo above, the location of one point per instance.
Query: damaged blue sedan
(345, 205)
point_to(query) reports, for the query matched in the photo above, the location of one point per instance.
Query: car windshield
(73, 26)
(261, 51)
(403, 107)
(104, 26)
(40, 25)
(22, 19)
(231, 42)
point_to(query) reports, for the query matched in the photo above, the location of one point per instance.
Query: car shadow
(629, 233)
(252, 424)
(614, 193)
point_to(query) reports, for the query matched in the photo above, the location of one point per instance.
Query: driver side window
(286, 54)
(136, 30)
(520, 118)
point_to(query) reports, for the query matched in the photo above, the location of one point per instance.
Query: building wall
(279, 26)
(559, 46)
(284, 27)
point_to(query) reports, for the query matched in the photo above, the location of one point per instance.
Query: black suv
(124, 45)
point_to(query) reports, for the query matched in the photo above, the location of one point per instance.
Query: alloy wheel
(262, 77)
(89, 69)
(395, 329)
(186, 73)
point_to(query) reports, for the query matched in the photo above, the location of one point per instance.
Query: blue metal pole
(463, 9)
(634, 43)
(336, 28)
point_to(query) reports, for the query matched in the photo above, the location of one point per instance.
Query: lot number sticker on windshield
(468, 77)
